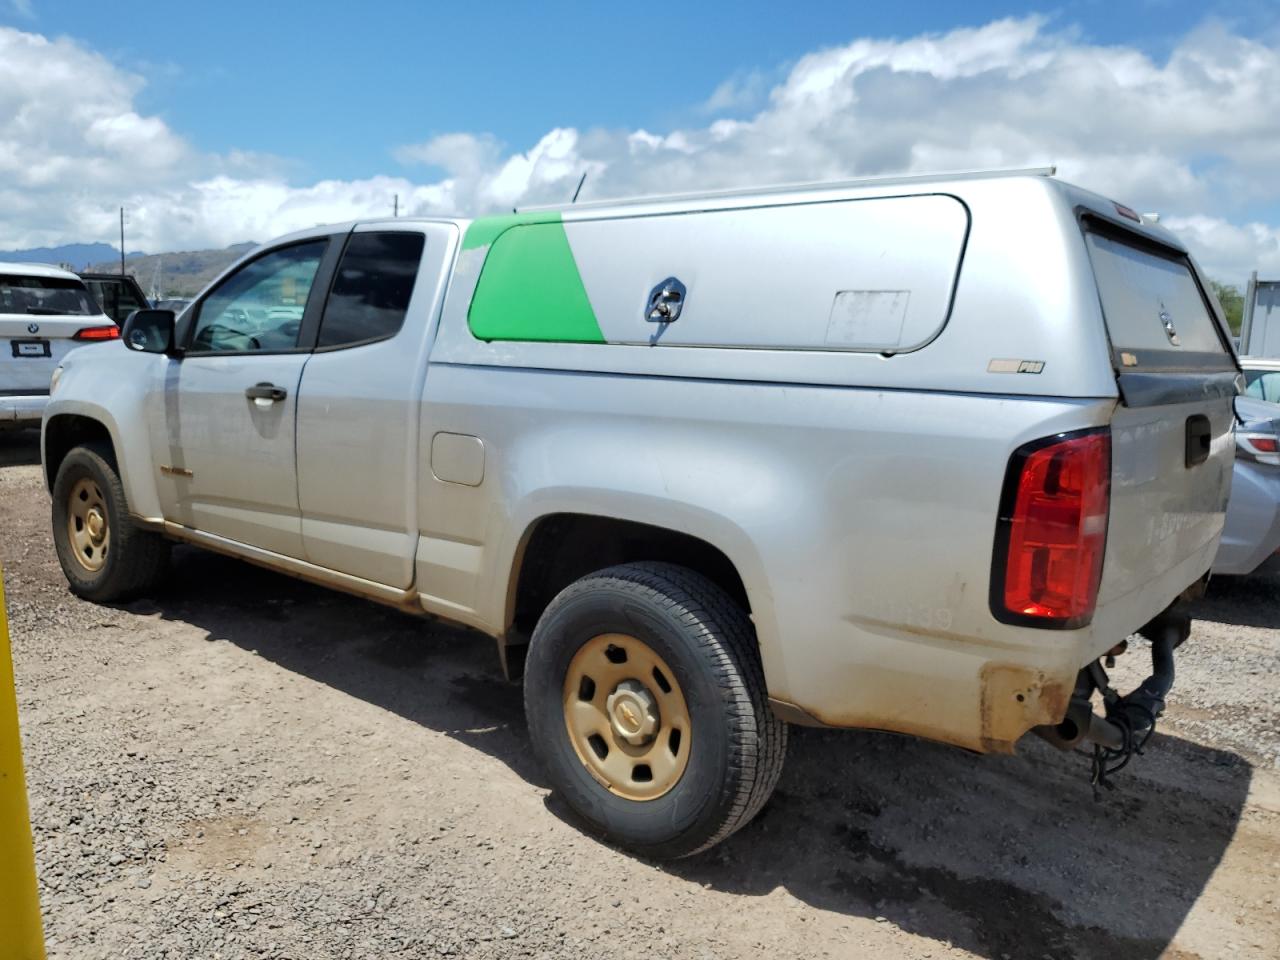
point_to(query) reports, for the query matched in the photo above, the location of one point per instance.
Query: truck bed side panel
(866, 553)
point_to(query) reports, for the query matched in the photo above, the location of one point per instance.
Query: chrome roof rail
(795, 188)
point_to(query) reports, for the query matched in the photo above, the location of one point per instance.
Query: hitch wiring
(1107, 761)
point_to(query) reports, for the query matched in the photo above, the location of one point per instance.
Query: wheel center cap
(96, 523)
(633, 713)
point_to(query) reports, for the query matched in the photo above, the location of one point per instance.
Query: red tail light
(1052, 531)
(111, 332)
(1265, 444)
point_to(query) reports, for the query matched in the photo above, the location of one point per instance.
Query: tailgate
(1162, 509)
(28, 356)
(1172, 449)
(40, 312)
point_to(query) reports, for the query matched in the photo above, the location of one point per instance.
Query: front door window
(259, 308)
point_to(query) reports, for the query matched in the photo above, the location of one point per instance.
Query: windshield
(45, 296)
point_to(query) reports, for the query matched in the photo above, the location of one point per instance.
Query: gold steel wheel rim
(87, 528)
(627, 717)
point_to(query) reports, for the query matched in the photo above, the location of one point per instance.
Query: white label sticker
(868, 319)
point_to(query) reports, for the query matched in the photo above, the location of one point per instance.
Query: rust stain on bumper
(1015, 699)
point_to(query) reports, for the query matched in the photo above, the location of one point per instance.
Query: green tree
(1232, 304)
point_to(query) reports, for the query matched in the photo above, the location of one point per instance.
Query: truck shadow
(1241, 601)
(19, 447)
(1003, 856)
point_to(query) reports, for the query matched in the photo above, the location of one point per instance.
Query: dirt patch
(249, 766)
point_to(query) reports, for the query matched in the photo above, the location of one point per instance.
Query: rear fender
(715, 529)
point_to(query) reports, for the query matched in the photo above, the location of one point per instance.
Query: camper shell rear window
(1157, 315)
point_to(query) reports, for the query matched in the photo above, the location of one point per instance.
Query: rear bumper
(983, 692)
(26, 409)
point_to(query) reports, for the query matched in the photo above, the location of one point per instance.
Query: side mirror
(149, 331)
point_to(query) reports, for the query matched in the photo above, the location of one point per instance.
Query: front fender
(108, 384)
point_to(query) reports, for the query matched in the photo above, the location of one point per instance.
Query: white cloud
(1229, 250)
(1194, 136)
(69, 132)
(742, 91)
(459, 154)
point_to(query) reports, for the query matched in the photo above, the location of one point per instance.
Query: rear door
(39, 319)
(1172, 448)
(224, 436)
(119, 296)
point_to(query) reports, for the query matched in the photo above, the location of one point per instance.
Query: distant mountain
(76, 254)
(181, 274)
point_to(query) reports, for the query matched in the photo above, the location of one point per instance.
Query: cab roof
(36, 270)
(1084, 201)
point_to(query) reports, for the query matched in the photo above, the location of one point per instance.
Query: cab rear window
(372, 288)
(1155, 312)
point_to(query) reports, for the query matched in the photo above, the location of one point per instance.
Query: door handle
(1198, 436)
(266, 391)
(666, 300)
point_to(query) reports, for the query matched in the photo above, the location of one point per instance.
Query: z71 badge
(1015, 366)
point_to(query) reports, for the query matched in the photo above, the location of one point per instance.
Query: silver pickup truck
(911, 454)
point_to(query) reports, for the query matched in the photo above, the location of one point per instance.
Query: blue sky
(333, 90)
(218, 123)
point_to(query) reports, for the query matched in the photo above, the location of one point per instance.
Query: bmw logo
(33, 328)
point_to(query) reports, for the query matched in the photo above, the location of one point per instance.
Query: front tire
(646, 704)
(105, 556)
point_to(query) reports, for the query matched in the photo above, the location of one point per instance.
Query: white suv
(44, 313)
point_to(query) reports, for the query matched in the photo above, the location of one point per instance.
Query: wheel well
(564, 547)
(64, 433)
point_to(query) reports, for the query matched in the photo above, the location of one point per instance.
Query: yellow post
(20, 935)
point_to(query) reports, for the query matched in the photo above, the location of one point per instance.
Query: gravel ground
(248, 766)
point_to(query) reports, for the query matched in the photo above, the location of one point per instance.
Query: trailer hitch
(1129, 720)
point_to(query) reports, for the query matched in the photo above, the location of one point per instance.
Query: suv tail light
(1052, 531)
(111, 332)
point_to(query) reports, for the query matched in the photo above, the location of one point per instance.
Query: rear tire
(105, 555)
(622, 663)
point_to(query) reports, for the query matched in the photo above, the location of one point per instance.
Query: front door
(226, 450)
